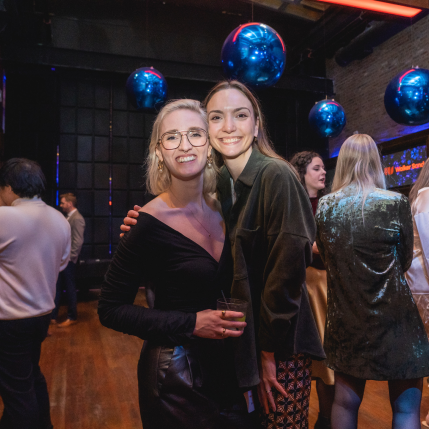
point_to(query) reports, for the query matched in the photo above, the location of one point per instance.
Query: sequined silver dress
(373, 328)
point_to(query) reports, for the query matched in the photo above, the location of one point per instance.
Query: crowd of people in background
(326, 278)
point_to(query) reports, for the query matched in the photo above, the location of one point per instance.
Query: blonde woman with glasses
(186, 370)
(373, 328)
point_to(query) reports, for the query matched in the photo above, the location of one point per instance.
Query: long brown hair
(421, 182)
(300, 161)
(263, 143)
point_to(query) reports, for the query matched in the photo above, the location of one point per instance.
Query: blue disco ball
(328, 118)
(146, 89)
(254, 54)
(407, 97)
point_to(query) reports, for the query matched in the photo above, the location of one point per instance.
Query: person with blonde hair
(373, 328)
(186, 371)
(271, 229)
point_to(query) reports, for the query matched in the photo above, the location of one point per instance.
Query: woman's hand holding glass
(215, 324)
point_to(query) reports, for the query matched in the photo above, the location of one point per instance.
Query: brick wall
(360, 86)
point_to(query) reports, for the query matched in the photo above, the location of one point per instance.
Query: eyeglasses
(172, 140)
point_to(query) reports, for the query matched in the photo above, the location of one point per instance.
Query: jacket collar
(248, 175)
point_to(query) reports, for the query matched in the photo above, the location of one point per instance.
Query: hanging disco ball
(146, 88)
(407, 97)
(328, 118)
(254, 54)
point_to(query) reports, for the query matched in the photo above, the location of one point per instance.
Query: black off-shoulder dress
(184, 381)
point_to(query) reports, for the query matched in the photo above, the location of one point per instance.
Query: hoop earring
(209, 161)
(255, 140)
(160, 166)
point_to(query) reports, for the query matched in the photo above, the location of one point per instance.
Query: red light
(149, 71)
(378, 6)
(281, 41)
(400, 79)
(110, 203)
(254, 23)
(241, 27)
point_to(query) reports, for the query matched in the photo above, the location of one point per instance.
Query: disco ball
(254, 54)
(407, 97)
(146, 88)
(328, 118)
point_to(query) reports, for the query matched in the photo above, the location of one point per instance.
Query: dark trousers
(22, 384)
(66, 281)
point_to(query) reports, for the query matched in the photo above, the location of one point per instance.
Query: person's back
(368, 245)
(34, 244)
(373, 328)
(370, 307)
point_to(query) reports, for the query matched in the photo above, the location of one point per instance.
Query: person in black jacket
(186, 371)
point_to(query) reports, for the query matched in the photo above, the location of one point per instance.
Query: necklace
(192, 213)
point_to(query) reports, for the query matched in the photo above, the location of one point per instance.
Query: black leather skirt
(191, 386)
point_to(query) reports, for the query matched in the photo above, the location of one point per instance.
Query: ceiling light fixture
(378, 6)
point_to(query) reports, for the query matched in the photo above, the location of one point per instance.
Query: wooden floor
(92, 382)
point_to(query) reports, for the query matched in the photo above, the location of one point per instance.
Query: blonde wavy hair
(158, 182)
(359, 163)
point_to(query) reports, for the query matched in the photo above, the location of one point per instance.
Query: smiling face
(315, 176)
(232, 125)
(185, 162)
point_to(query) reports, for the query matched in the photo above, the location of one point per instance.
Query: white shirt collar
(20, 201)
(70, 213)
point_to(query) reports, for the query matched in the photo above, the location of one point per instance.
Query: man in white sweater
(34, 247)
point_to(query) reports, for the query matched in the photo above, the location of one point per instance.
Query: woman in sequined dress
(312, 175)
(373, 328)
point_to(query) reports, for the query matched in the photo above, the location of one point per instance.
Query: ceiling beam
(68, 58)
(293, 8)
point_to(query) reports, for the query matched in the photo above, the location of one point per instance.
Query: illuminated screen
(403, 168)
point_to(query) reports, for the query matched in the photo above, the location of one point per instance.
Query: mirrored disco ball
(254, 54)
(328, 118)
(407, 97)
(146, 88)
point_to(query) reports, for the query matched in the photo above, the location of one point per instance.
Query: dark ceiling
(312, 30)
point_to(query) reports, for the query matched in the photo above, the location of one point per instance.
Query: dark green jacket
(271, 228)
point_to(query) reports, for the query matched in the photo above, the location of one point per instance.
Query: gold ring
(223, 313)
(223, 332)
(269, 391)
